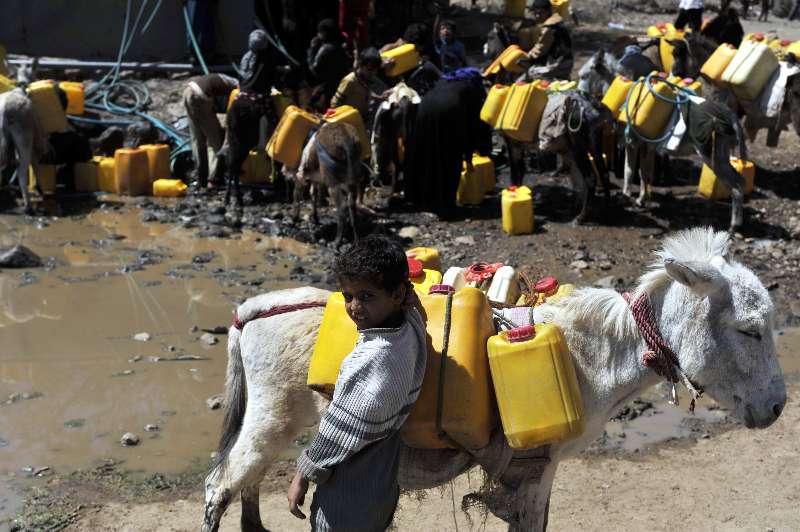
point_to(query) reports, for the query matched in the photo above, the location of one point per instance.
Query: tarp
(91, 30)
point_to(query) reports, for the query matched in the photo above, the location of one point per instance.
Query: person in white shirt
(690, 13)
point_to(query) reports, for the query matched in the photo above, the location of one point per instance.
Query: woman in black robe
(447, 131)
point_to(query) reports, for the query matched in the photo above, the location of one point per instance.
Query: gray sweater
(355, 455)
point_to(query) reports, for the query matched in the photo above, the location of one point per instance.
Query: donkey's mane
(606, 311)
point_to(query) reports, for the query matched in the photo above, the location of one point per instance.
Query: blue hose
(681, 98)
(190, 32)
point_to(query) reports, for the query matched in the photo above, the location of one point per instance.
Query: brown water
(73, 380)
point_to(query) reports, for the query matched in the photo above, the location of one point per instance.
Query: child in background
(360, 87)
(354, 458)
(451, 51)
(328, 61)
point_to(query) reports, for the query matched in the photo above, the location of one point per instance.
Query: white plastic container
(454, 276)
(504, 287)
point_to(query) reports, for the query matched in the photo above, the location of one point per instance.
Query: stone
(209, 339)
(611, 281)
(465, 240)
(795, 308)
(219, 329)
(409, 231)
(151, 428)
(215, 402)
(19, 257)
(142, 337)
(204, 258)
(109, 141)
(129, 439)
(579, 265)
(194, 329)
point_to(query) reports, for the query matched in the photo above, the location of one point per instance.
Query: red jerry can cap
(520, 334)
(330, 112)
(785, 42)
(547, 285)
(414, 268)
(441, 289)
(758, 36)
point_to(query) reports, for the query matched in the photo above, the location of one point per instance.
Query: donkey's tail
(740, 138)
(235, 398)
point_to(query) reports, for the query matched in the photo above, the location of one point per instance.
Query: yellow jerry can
(257, 168)
(169, 188)
(47, 106)
(794, 48)
(74, 92)
(429, 257)
(467, 414)
(508, 60)
(43, 176)
(336, 339)
(350, 115)
(470, 187)
(523, 111)
(287, 142)
(516, 204)
(231, 97)
(536, 387)
(716, 64)
(750, 69)
(713, 188)
(614, 97)
(484, 167)
(406, 58)
(132, 172)
(650, 114)
(87, 176)
(493, 105)
(780, 47)
(106, 176)
(562, 7)
(560, 86)
(421, 278)
(695, 86)
(665, 49)
(157, 160)
(280, 101)
(6, 84)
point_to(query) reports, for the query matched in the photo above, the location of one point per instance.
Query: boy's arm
(354, 419)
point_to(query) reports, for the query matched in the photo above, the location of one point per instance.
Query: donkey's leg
(338, 204)
(647, 168)
(582, 188)
(516, 161)
(23, 141)
(351, 209)
(721, 164)
(631, 166)
(315, 198)
(533, 501)
(251, 513)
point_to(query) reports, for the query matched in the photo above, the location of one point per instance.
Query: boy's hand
(297, 495)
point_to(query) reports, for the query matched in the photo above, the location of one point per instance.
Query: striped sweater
(354, 457)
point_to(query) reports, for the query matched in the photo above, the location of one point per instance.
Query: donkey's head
(497, 40)
(595, 75)
(718, 317)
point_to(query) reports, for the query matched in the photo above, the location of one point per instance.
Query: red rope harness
(275, 311)
(659, 357)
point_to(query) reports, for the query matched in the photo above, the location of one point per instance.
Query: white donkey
(714, 313)
(20, 132)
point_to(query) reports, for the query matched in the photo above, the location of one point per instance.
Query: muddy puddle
(651, 420)
(73, 379)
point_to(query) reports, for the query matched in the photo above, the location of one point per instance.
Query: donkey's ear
(702, 278)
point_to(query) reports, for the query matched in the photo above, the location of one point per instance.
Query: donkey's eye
(752, 334)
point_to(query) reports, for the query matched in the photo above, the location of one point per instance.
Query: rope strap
(275, 311)
(659, 357)
(443, 365)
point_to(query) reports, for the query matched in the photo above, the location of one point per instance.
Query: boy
(355, 456)
(360, 87)
(328, 61)
(452, 53)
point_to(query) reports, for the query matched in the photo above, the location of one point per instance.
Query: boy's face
(445, 32)
(368, 304)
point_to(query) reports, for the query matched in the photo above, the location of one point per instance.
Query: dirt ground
(737, 480)
(717, 476)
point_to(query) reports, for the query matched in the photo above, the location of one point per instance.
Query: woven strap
(659, 357)
(275, 311)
